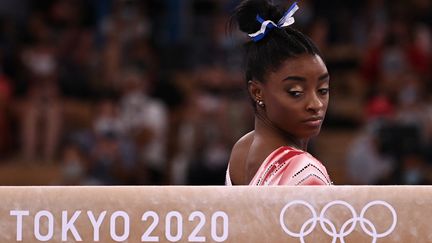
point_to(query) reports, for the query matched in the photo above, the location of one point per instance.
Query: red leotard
(289, 166)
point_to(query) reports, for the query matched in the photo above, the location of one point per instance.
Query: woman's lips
(314, 122)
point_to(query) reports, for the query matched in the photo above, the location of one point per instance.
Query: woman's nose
(315, 103)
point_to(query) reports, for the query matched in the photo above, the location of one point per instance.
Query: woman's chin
(311, 133)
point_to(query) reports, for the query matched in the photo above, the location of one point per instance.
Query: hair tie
(266, 25)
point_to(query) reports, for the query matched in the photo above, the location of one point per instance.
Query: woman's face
(296, 95)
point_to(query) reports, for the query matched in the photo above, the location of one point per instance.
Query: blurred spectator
(71, 23)
(211, 121)
(428, 132)
(41, 117)
(74, 165)
(414, 171)
(125, 33)
(420, 51)
(106, 165)
(319, 32)
(78, 66)
(107, 118)
(113, 153)
(5, 126)
(366, 165)
(379, 105)
(144, 119)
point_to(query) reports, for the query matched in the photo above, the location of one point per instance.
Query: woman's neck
(275, 135)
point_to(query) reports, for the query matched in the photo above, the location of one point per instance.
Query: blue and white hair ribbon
(266, 25)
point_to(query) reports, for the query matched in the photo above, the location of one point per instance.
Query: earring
(260, 103)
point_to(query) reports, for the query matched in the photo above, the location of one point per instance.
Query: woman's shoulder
(245, 141)
(238, 157)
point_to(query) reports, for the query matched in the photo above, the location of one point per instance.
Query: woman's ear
(255, 90)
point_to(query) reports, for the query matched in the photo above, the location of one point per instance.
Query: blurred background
(152, 92)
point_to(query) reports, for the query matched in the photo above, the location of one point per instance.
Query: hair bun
(245, 14)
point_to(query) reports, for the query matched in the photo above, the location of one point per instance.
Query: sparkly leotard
(289, 166)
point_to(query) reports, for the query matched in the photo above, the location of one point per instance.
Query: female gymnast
(288, 83)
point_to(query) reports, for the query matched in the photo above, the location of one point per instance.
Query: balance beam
(216, 214)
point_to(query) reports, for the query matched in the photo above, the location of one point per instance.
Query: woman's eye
(295, 94)
(324, 91)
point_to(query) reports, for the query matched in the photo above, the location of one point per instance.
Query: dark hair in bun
(278, 45)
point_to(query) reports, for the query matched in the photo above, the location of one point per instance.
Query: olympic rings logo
(347, 227)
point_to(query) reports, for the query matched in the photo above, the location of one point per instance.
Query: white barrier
(216, 214)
